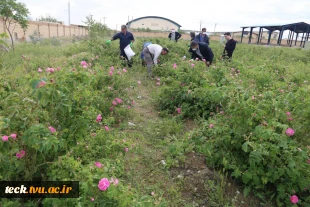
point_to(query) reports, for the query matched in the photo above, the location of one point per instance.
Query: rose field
(234, 134)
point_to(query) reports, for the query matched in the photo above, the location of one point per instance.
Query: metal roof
(157, 17)
(299, 27)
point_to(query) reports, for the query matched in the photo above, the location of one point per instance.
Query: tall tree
(13, 13)
(48, 18)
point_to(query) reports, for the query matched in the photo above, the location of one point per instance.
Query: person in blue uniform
(125, 38)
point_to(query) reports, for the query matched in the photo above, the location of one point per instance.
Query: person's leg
(124, 56)
(149, 61)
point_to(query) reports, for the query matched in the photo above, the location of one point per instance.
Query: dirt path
(190, 184)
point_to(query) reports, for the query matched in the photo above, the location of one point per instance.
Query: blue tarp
(144, 45)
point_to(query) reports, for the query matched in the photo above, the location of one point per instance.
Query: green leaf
(246, 191)
(39, 95)
(255, 157)
(34, 83)
(245, 147)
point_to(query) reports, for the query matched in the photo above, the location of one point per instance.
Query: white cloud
(229, 15)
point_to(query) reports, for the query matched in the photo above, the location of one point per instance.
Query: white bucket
(129, 52)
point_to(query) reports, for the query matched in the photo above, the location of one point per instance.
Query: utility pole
(214, 28)
(200, 24)
(69, 11)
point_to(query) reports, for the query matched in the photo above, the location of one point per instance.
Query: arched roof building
(153, 23)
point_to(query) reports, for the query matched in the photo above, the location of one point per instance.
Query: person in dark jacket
(229, 46)
(203, 37)
(174, 36)
(193, 36)
(201, 51)
(126, 38)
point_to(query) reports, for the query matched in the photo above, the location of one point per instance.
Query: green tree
(96, 29)
(48, 18)
(13, 13)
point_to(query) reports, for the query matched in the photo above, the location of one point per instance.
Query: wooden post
(251, 32)
(302, 39)
(57, 30)
(70, 30)
(242, 35)
(296, 38)
(49, 32)
(269, 36)
(289, 37)
(258, 37)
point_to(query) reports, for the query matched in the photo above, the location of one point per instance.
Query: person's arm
(156, 55)
(115, 37)
(192, 53)
(179, 35)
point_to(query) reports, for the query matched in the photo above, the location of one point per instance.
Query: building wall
(153, 24)
(47, 30)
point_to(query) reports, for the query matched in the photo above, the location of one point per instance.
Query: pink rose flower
(5, 138)
(111, 108)
(112, 68)
(103, 184)
(118, 100)
(114, 181)
(179, 110)
(83, 63)
(288, 113)
(294, 199)
(174, 66)
(52, 129)
(114, 103)
(124, 70)
(153, 193)
(128, 107)
(289, 132)
(92, 199)
(40, 70)
(110, 73)
(98, 164)
(20, 154)
(158, 83)
(211, 126)
(192, 65)
(139, 82)
(106, 128)
(13, 136)
(126, 149)
(97, 56)
(99, 118)
(41, 84)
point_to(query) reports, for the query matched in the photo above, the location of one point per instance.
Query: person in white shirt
(151, 54)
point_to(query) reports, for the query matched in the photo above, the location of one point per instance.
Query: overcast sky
(229, 15)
